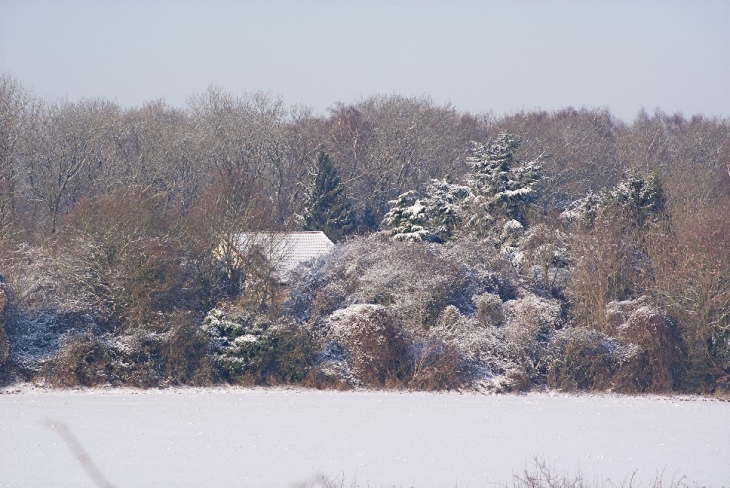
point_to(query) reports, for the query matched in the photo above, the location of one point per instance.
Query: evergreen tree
(326, 206)
(406, 218)
(500, 187)
(497, 191)
(431, 218)
(640, 197)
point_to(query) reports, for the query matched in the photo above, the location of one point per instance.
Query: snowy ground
(281, 438)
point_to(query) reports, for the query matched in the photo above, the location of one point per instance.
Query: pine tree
(327, 207)
(498, 190)
(431, 218)
(501, 187)
(406, 218)
(640, 197)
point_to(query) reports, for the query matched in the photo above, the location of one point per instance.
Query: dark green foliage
(327, 207)
(247, 348)
(431, 218)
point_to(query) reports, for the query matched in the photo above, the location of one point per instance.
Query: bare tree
(63, 141)
(14, 101)
(387, 144)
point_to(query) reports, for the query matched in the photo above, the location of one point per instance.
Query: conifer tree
(501, 187)
(431, 218)
(327, 207)
(497, 191)
(640, 197)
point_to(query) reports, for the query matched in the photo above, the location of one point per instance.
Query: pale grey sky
(499, 56)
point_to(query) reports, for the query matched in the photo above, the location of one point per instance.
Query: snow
(281, 437)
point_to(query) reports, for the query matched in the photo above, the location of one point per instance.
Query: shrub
(124, 251)
(608, 265)
(579, 358)
(530, 321)
(184, 351)
(377, 345)
(655, 364)
(85, 360)
(436, 366)
(483, 358)
(692, 281)
(247, 348)
(175, 354)
(397, 275)
(489, 309)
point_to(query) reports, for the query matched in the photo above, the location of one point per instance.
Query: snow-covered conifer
(638, 196)
(406, 218)
(431, 218)
(500, 187)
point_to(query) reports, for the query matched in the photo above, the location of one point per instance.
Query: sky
(480, 56)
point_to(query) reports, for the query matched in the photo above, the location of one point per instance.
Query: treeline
(109, 217)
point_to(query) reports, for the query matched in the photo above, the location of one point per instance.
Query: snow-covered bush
(377, 346)
(436, 365)
(447, 298)
(485, 359)
(175, 354)
(43, 307)
(529, 323)
(641, 324)
(249, 348)
(35, 337)
(545, 259)
(579, 358)
(531, 318)
(486, 267)
(414, 280)
(489, 309)
(638, 197)
(366, 345)
(40, 279)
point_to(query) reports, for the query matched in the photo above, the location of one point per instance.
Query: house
(283, 250)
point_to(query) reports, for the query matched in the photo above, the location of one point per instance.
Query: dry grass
(539, 475)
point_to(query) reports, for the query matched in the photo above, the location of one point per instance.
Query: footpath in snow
(281, 438)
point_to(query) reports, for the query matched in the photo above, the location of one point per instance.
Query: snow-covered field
(277, 437)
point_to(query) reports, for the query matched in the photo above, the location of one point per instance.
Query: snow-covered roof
(287, 250)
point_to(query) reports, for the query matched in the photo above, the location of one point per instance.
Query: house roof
(287, 250)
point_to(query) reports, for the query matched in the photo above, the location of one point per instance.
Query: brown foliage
(125, 249)
(233, 203)
(4, 346)
(692, 269)
(653, 364)
(376, 343)
(580, 358)
(174, 355)
(608, 266)
(435, 367)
